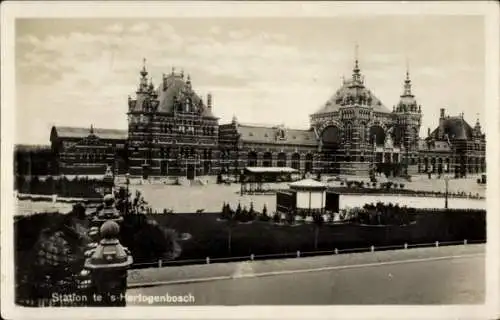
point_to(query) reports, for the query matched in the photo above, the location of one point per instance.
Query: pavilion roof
(308, 184)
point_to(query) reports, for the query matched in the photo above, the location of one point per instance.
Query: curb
(287, 272)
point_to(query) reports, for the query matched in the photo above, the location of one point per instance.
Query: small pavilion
(308, 196)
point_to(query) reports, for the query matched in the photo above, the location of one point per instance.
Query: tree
(244, 215)
(276, 217)
(251, 212)
(223, 212)
(264, 216)
(231, 221)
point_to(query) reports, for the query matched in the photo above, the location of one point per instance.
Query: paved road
(447, 275)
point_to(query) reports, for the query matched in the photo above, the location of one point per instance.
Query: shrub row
(64, 187)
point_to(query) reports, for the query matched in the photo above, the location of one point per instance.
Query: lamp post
(127, 183)
(446, 179)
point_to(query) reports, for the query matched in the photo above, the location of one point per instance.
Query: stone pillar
(108, 261)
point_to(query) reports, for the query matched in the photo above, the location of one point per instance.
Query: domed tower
(406, 126)
(347, 124)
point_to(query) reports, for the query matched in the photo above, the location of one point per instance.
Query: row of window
(183, 129)
(84, 157)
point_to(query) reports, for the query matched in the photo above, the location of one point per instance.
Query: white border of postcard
(12, 10)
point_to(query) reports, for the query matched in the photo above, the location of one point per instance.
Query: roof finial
(144, 72)
(407, 84)
(355, 72)
(407, 69)
(209, 100)
(91, 129)
(356, 48)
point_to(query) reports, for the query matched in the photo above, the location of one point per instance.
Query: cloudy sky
(78, 72)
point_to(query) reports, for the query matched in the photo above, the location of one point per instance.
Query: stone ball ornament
(110, 230)
(109, 200)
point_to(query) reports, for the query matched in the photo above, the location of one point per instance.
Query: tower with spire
(170, 121)
(407, 121)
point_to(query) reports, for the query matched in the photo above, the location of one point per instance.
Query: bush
(276, 217)
(374, 184)
(264, 216)
(401, 185)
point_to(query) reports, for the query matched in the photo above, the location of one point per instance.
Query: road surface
(445, 275)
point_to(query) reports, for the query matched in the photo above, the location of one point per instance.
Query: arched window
(252, 159)
(362, 130)
(267, 159)
(348, 132)
(296, 161)
(282, 159)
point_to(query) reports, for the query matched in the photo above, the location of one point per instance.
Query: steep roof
(269, 134)
(456, 128)
(78, 132)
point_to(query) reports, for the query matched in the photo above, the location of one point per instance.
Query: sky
(78, 72)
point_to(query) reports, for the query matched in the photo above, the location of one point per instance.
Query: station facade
(172, 131)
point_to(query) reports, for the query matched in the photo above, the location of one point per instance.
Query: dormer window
(281, 134)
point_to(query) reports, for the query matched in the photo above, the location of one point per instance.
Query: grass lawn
(210, 236)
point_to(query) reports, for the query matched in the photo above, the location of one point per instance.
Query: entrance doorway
(190, 172)
(164, 168)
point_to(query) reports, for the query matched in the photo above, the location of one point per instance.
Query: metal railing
(299, 254)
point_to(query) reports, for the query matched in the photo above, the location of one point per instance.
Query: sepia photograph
(187, 155)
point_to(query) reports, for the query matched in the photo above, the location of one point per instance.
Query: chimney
(428, 132)
(442, 119)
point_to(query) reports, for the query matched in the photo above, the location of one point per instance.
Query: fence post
(437, 243)
(406, 245)
(372, 248)
(465, 241)
(160, 263)
(208, 260)
(298, 253)
(251, 257)
(336, 251)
